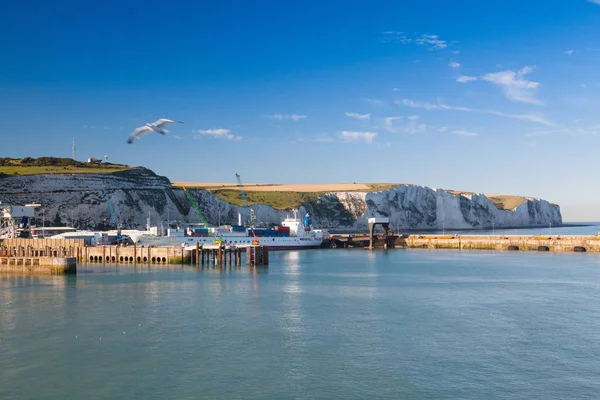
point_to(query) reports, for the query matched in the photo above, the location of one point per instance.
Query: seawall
(564, 244)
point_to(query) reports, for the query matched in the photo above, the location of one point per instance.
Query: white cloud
(282, 117)
(395, 89)
(318, 138)
(376, 102)
(583, 85)
(454, 64)
(461, 132)
(411, 127)
(353, 136)
(440, 106)
(514, 85)
(595, 1)
(432, 42)
(455, 52)
(576, 131)
(525, 117)
(219, 132)
(569, 52)
(297, 117)
(362, 117)
(430, 106)
(465, 78)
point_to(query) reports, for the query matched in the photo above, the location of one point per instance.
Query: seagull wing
(141, 131)
(163, 121)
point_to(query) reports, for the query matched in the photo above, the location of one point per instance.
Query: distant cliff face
(80, 200)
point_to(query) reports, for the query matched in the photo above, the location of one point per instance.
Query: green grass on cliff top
(53, 165)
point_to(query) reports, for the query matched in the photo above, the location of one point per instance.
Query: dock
(542, 243)
(40, 256)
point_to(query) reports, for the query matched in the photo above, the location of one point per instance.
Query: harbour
(417, 324)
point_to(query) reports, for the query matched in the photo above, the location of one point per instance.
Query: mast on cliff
(74, 149)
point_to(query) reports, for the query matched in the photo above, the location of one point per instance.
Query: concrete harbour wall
(563, 244)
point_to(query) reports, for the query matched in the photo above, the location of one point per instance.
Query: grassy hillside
(280, 196)
(53, 165)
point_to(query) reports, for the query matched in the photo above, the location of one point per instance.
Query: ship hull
(277, 243)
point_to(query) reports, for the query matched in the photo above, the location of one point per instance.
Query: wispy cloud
(583, 85)
(219, 132)
(571, 131)
(283, 117)
(537, 118)
(376, 102)
(461, 132)
(318, 138)
(432, 42)
(454, 64)
(569, 52)
(465, 78)
(362, 117)
(595, 1)
(525, 117)
(411, 127)
(514, 85)
(430, 106)
(353, 136)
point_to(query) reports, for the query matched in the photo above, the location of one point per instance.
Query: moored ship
(291, 234)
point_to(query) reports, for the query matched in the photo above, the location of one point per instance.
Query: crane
(113, 215)
(245, 200)
(200, 215)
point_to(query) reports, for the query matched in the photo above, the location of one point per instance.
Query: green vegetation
(53, 165)
(281, 200)
(378, 187)
(505, 202)
(276, 200)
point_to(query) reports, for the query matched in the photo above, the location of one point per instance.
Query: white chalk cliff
(79, 200)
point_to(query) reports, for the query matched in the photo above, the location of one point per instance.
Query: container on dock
(238, 228)
(282, 229)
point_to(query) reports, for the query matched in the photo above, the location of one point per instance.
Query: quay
(40, 256)
(553, 243)
(60, 256)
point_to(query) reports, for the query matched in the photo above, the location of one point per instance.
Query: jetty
(40, 256)
(552, 243)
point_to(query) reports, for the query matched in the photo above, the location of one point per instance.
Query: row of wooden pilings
(255, 255)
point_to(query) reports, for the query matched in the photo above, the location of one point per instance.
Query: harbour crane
(200, 215)
(115, 220)
(252, 215)
(245, 200)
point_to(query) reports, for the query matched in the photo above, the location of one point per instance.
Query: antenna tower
(74, 148)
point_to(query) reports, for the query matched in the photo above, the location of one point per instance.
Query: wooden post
(197, 251)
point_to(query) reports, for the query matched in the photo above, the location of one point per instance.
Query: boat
(291, 234)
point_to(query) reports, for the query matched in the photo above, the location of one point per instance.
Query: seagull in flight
(157, 126)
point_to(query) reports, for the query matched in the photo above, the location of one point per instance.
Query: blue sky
(486, 96)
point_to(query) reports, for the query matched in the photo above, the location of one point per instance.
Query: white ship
(291, 234)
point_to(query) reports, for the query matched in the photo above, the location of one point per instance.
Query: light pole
(550, 228)
(43, 222)
(493, 229)
(443, 229)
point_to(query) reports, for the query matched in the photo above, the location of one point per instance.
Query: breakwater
(40, 256)
(556, 243)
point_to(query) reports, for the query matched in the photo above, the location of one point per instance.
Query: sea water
(318, 324)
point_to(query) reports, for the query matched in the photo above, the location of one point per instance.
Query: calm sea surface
(322, 324)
